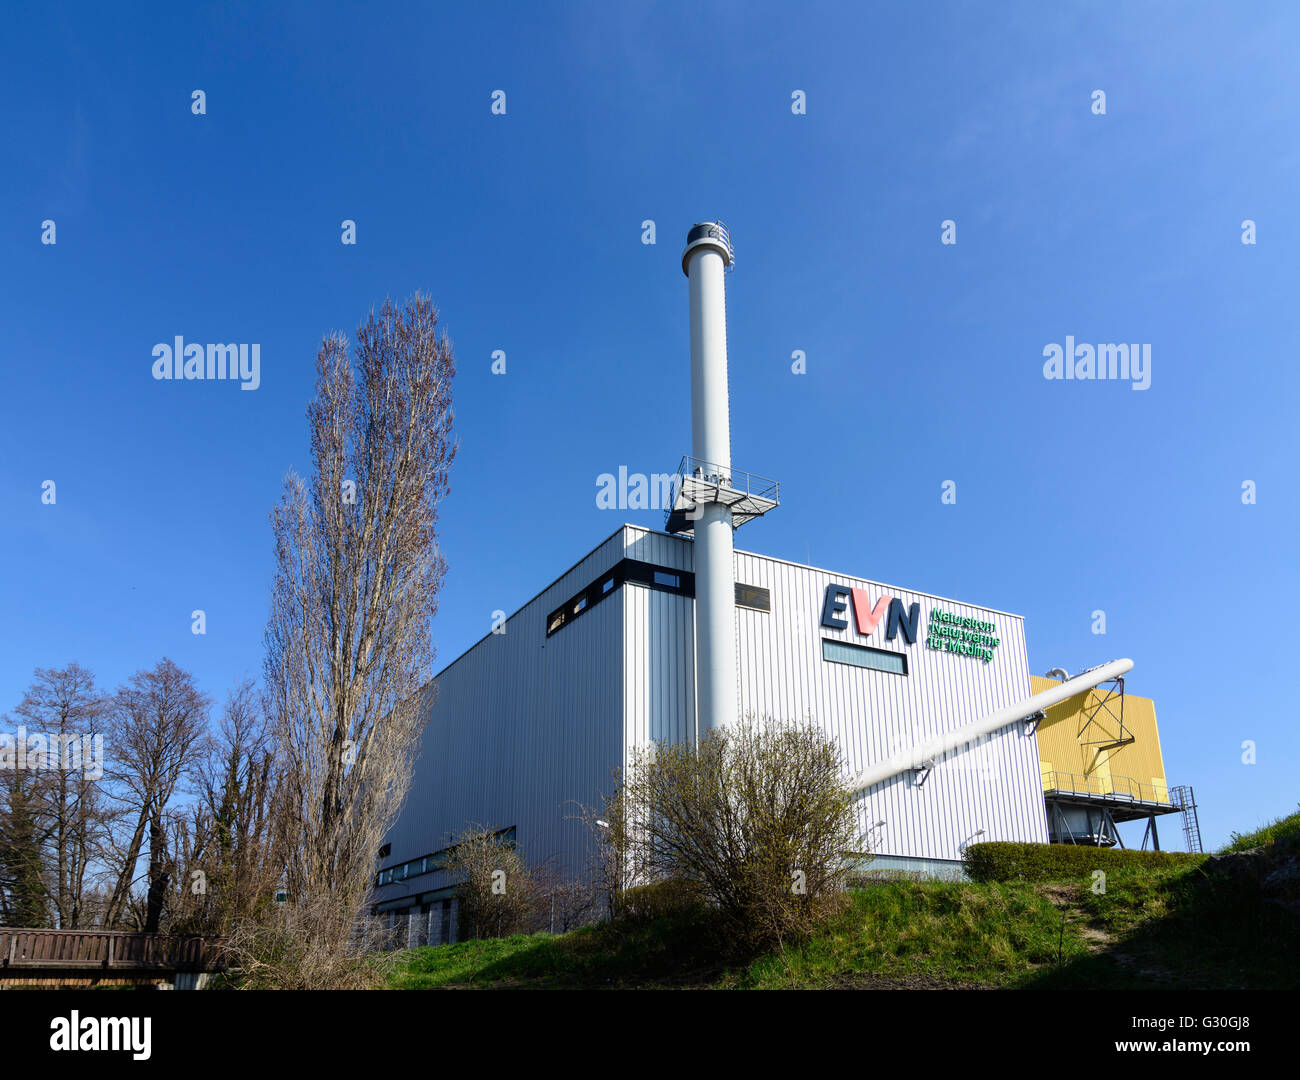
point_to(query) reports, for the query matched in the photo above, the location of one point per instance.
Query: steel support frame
(1114, 691)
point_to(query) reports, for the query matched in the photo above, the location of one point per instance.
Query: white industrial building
(664, 635)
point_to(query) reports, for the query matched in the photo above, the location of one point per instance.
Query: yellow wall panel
(1069, 763)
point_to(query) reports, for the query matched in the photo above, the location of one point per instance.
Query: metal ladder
(1185, 798)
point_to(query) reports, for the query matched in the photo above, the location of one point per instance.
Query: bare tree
(158, 720)
(357, 580)
(608, 869)
(226, 845)
(566, 900)
(64, 704)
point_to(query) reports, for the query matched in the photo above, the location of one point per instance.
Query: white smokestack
(708, 253)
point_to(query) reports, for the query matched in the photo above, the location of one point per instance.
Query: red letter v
(867, 618)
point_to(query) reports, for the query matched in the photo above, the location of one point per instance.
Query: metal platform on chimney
(699, 483)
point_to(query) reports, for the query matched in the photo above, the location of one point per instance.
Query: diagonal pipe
(917, 756)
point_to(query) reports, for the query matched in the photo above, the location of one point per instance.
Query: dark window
(754, 597)
(841, 652)
(427, 864)
(627, 570)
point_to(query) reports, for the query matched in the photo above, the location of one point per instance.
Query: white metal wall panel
(659, 672)
(992, 787)
(659, 548)
(521, 723)
(659, 644)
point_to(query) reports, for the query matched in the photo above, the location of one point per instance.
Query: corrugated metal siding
(872, 714)
(659, 548)
(659, 637)
(659, 672)
(1060, 747)
(994, 786)
(521, 723)
(659, 642)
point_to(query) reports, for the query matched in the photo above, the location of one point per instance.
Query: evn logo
(868, 616)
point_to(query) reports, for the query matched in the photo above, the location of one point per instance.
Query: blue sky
(924, 360)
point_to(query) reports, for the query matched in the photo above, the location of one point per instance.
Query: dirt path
(1065, 899)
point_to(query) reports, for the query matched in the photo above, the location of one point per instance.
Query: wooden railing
(110, 949)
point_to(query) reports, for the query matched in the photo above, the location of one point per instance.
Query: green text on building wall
(960, 634)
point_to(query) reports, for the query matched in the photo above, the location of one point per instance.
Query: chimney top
(712, 234)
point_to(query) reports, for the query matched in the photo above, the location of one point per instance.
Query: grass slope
(1284, 830)
(1166, 927)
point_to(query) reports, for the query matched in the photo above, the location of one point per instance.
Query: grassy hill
(1284, 831)
(1177, 926)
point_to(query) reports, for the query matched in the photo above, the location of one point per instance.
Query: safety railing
(752, 484)
(717, 231)
(1113, 787)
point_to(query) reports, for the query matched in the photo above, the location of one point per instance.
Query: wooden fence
(113, 950)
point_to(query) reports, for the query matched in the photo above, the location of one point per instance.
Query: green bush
(658, 899)
(758, 815)
(499, 894)
(1005, 861)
